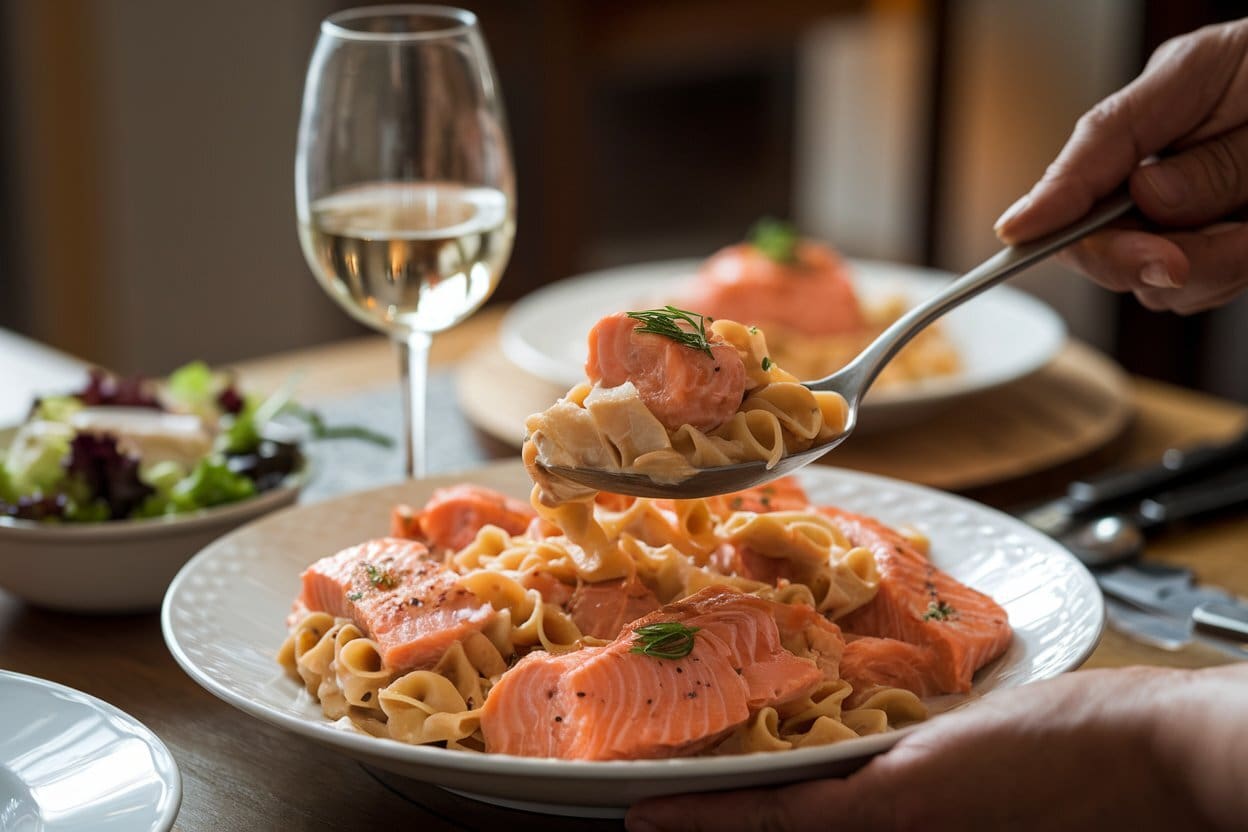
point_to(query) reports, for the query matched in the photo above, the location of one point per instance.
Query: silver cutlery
(1090, 499)
(1163, 605)
(1107, 538)
(1162, 631)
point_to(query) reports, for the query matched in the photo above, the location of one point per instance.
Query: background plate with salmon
(224, 618)
(1000, 337)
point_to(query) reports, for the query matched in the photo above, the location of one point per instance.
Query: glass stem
(414, 368)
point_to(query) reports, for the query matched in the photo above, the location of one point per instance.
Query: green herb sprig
(664, 640)
(776, 239)
(666, 322)
(379, 577)
(940, 611)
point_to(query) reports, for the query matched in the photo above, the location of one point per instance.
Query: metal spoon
(1113, 538)
(853, 380)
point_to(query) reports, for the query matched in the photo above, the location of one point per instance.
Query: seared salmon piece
(608, 703)
(396, 593)
(812, 295)
(869, 664)
(919, 604)
(602, 609)
(453, 516)
(679, 384)
(732, 559)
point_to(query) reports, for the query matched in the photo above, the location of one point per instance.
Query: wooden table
(240, 773)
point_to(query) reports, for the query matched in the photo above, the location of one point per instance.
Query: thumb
(1202, 184)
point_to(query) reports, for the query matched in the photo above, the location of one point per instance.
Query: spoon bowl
(853, 380)
(1105, 541)
(707, 482)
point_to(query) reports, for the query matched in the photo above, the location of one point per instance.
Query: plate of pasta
(452, 631)
(1000, 337)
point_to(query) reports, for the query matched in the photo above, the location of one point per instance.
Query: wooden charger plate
(1068, 409)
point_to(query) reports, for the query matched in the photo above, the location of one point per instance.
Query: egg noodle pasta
(596, 626)
(612, 429)
(671, 550)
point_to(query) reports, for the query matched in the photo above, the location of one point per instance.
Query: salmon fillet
(919, 604)
(404, 600)
(607, 703)
(679, 384)
(812, 296)
(602, 609)
(869, 664)
(453, 516)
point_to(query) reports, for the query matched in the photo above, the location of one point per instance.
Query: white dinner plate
(72, 763)
(223, 619)
(1000, 336)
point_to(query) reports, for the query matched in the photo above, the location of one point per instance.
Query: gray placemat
(344, 465)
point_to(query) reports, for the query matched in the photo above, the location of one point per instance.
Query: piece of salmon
(741, 560)
(402, 598)
(677, 383)
(602, 609)
(812, 296)
(607, 703)
(870, 664)
(454, 515)
(921, 605)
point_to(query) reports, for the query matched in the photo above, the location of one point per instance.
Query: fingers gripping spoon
(852, 381)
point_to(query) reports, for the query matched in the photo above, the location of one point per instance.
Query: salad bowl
(106, 492)
(120, 566)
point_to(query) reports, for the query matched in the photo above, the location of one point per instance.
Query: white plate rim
(690, 767)
(167, 762)
(518, 348)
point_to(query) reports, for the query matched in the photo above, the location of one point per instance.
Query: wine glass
(403, 179)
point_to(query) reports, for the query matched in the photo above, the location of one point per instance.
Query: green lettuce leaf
(212, 483)
(34, 461)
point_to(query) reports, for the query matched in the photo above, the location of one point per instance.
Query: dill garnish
(664, 640)
(355, 596)
(939, 611)
(776, 239)
(767, 363)
(666, 322)
(380, 578)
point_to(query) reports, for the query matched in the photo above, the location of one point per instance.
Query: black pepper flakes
(580, 693)
(558, 719)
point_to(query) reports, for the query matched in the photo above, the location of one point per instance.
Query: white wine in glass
(403, 178)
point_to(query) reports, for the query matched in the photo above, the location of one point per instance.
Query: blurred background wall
(146, 153)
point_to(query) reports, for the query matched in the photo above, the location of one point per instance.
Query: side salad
(134, 448)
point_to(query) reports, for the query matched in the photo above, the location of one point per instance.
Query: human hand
(1191, 102)
(1142, 748)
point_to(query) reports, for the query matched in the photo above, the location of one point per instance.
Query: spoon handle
(853, 380)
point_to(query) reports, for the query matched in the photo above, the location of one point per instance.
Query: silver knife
(1169, 596)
